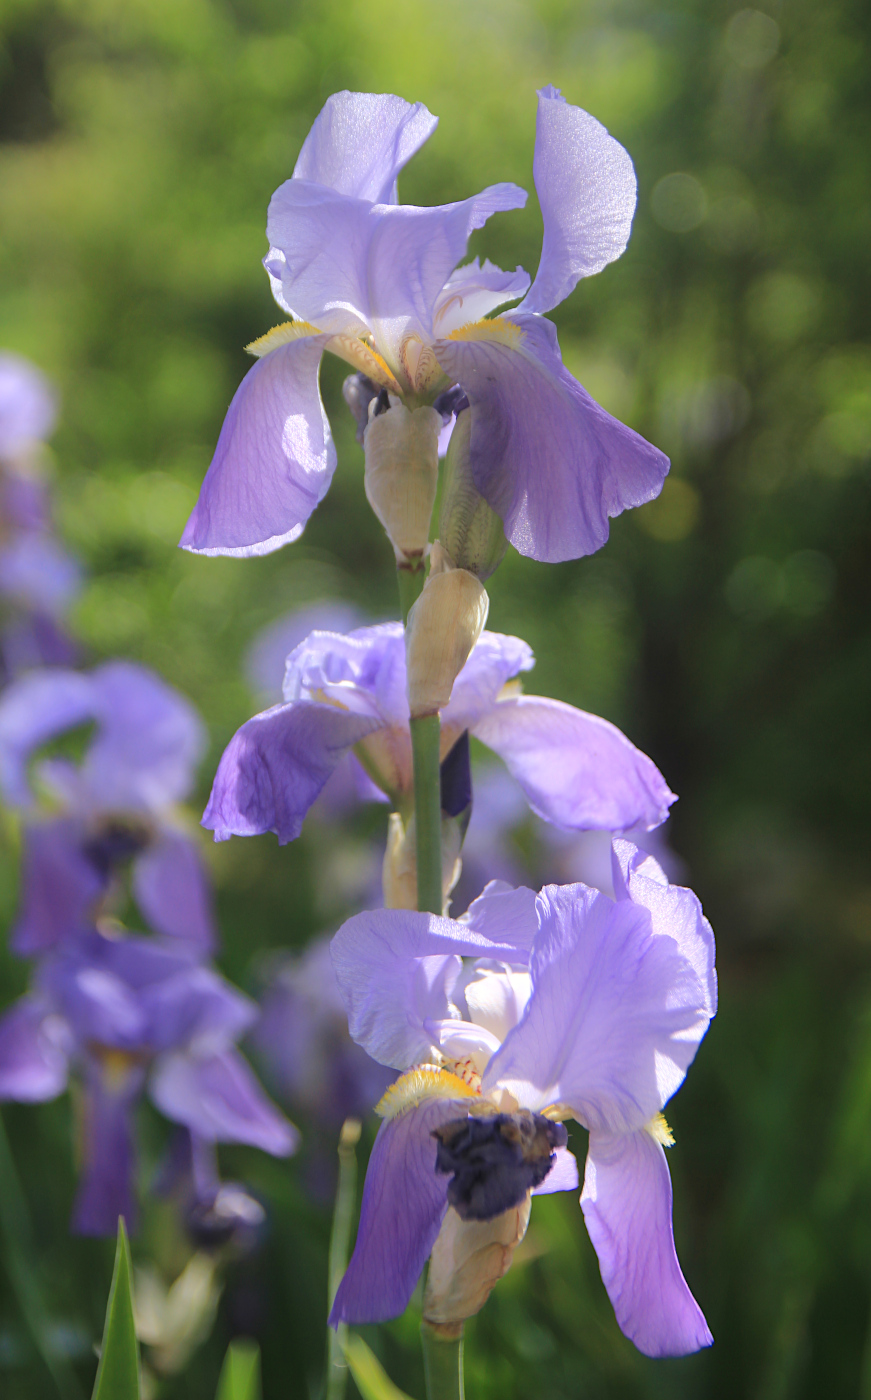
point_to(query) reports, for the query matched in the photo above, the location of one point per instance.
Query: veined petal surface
(576, 769)
(548, 459)
(360, 141)
(586, 187)
(404, 1203)
(274, 460)
(627, 1207)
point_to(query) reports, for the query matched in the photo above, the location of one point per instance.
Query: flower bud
(442, 628)
(468, 1259)
(402, 467)
(399, 870)
(469, 528)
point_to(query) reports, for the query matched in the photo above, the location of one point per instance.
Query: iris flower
(348, 693)
(574, 1006)
(117, 806)
(378, 284)
(124, 1015)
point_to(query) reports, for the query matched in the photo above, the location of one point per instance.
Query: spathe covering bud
(469, 528)
(402, 467)
(442, 629)
(399, 870)
(468, 1259)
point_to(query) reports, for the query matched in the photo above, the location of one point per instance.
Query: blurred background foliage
(724, 626)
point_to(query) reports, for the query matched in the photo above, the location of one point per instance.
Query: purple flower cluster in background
(38, 578)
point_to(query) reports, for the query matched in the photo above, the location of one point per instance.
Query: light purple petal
(274, 460)
(193, 1005)
(363, 671)
(106, 1190)
(36, 571)
(552, 463)
(149, 741)
(563, 1175)
(404, 1204)
(346, 265)
(496, 658)
(576, 769)
(218, 1098)
(615, 1017)
(34, 1048)
(275, 765)
(506, 915)
(473, 292)
(172, 890)
(266, 658)
(396, 969)
(675, 912)
(33, 710)
(585, 183)
(88, 988)
(627, 1206)
(59, 887)
(360, 141)
(28, 405)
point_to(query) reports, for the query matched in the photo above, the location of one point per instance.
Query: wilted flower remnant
(573, 1005)
(126, 1016)
(115, 808)
(38, 578)
(379, 284)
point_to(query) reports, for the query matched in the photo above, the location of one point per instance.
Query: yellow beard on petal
(280, 335)
(660, 1131)
(499, 330)
(422, 1083)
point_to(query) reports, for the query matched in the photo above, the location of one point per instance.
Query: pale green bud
(442, 628)
(402, 468)
(468, 1259)
(469, 528)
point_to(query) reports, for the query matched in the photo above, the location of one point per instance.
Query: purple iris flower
(302, 1036)
(349, 693)
(576, 1006)
(117, 805)
(126, 1016)
(28, 406)
(378, 284)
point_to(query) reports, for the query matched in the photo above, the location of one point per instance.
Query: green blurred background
(724, 626)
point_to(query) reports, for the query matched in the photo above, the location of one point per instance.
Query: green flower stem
(340, 1239)
(410, 581)
(443, 1362)
(425, 739)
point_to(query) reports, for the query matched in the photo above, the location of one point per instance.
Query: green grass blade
(370, 1376)
(240, 1373)
(118, 1372)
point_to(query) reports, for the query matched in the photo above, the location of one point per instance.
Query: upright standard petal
(34, 1052)
(173, 892)
(586, 187)
(274, 460)
(576, 769)
(218, 1098)
(360, 141)
(627, 1207)
(396, 970)
(275, 765)
(473, 292)
(33, 710)
(615, 1017)
(404, 1203)
(551, 463)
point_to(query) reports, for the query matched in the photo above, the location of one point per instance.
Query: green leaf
(372, 1380)
(240, 1373)
(118, 1372)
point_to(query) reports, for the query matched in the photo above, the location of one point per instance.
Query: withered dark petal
(494, 1161)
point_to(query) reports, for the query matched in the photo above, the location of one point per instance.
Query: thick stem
(340, 1239)
(443, 1361)
(425, 739)
(410, 581)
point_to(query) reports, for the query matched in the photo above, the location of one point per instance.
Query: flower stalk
(340, 1239)
(443, 1361)
(425, 740)
(410, 579)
